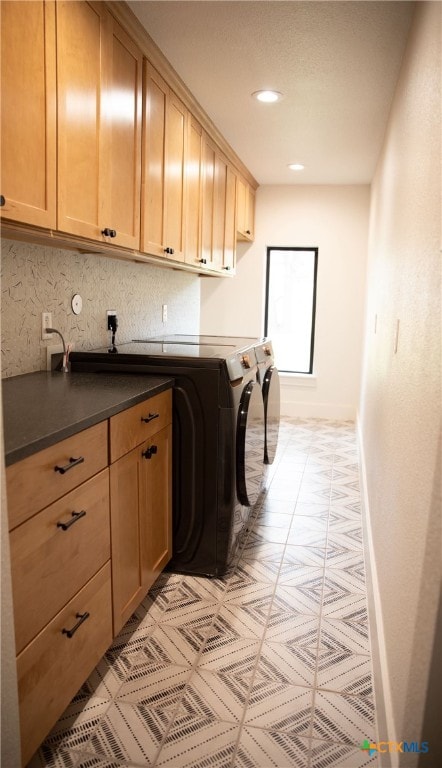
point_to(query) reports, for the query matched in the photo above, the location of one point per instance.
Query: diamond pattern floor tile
(155, 686)
(288, 663)
(199, 743)
(131, 733)
(268, 667)
(289, 628)
(330, 755)
(344, 635)
(277, 706)
(345, 672)
(269, 749)
(343, 718)
(214, 696)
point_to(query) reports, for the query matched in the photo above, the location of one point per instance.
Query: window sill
(298, 379)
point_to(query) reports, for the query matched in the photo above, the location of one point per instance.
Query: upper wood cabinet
(124, 100)
(229, 255)
(245, 211)
(99, 73)
(165, 125)
(217, 209)
(92, 157)
(193, 192)
(28, 112)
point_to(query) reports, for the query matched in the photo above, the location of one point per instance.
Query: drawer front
(52, 668)
(38, 480)
(51, 562)
(137, 424)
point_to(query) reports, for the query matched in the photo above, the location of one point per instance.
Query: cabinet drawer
(131, 427)
(52, 668)
(37, 481)
(50, 564)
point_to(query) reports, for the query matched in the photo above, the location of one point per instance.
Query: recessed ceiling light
(296, 167)
(267, 96)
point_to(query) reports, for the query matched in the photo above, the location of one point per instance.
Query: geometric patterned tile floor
(268, 667)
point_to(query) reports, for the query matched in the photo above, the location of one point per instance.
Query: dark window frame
(315, 250)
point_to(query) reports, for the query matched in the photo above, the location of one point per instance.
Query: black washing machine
(268, 378)
(218, 439)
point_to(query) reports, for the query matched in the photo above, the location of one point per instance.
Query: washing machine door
(250, 444)
(271, 397)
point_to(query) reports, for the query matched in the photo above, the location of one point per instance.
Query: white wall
(38, 279)
(400, 407)
(335, 219)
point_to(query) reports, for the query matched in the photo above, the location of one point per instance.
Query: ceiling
(336, 63)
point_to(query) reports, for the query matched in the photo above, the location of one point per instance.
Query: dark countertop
(40, 409)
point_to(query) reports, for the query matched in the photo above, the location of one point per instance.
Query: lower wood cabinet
(141, 519)
(56, 663)
(86, 546)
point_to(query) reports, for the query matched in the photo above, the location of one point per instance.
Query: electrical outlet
(110, 313)
(46, 322)
(164, 313)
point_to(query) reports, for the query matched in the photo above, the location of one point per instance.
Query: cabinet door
(123, 111)
(176, 140)
(28, 115)
(219, 212)
(125, 537)
(163, 183)
(193, 193)
(207, 204)
(156, 506)
(153, 180)
(245, 211)
(229, 258)
(141, 524)
(82, 52)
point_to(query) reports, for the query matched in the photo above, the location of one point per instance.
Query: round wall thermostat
(77, 304)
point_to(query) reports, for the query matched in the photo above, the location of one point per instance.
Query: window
(290, 306)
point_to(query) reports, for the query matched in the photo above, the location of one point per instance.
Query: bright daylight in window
(290, 306)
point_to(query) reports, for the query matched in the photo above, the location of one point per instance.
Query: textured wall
(38, 279)
(334, 218)
(401, 395)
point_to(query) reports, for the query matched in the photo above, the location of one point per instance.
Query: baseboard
(384, 709)
(313, 410)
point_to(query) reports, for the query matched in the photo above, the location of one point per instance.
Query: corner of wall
(383, 699)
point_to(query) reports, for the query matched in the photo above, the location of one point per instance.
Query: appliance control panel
(264, 352)
(240, 363)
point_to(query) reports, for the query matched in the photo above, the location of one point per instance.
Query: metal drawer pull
(75, 516)
(149, 452)
(72, 463)
(150, 417)
(81, 618)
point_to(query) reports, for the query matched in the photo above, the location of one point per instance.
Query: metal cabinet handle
(203, 261)
(149, 452)
(75, 516)
(109, 232)
(72, 463)
(81, 618)
(2, 201)
(169, 250)
(150, 417)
